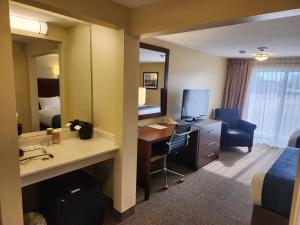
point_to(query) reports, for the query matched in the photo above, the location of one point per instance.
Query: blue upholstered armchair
(235, 131)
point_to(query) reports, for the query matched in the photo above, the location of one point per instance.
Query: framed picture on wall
(151, 80)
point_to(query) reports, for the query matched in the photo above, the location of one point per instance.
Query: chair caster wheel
(166, 186)
(181, 180)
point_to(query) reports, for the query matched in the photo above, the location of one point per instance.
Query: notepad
(157, 126)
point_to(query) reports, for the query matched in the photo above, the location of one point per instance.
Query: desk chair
(178, 140)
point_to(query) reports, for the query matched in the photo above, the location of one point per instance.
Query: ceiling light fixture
(30, 25)
(262, 55)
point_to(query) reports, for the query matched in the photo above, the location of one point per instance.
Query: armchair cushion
(238, 137)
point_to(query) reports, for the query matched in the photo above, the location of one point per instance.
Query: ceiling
(149, 56)
(17, 9)
(134, 3)
(281, 36)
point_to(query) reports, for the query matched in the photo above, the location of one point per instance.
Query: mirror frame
(164, 91)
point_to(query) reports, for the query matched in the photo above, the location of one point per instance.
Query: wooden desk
(203, 148)
(148, 136)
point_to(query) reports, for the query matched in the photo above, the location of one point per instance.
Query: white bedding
(46, 115)
(151, 109)
(256, 188)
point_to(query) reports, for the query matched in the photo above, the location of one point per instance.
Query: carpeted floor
(217, 194)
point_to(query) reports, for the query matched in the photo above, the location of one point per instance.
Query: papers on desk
(157, 126)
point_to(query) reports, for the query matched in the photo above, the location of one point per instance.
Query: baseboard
(124, 215)
(116, 214)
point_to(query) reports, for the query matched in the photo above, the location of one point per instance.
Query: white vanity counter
(70, 154)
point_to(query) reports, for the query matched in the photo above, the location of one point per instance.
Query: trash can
(72, 199)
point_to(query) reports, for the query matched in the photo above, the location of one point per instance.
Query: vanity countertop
(69, 155)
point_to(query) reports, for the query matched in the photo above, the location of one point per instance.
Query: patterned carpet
(217, 194)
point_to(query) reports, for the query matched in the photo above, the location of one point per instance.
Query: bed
(272, 192)
(49, 103)
(148, 109)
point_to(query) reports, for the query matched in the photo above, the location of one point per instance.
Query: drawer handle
(212, 131)
(210, 155)
(211, 143)
(75, 190)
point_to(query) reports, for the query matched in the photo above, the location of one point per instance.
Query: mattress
(256, 188)
(46, 116)
(148, 109)
(273, 190)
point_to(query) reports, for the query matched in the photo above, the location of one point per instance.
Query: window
(273, 100)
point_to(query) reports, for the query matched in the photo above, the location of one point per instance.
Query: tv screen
(194, 103)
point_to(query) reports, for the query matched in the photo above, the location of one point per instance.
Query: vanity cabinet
(204, 145)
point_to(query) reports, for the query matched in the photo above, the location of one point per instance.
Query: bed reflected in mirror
(153, 77)
(52, 75)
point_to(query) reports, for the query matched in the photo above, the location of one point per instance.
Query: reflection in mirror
(152, 81)
(52, 72)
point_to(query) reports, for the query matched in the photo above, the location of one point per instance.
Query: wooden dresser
(204, 144)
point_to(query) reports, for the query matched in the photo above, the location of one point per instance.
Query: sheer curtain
(273, 100)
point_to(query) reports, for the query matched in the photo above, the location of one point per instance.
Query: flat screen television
(194, 104)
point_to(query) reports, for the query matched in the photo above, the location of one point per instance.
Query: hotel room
(116, 114)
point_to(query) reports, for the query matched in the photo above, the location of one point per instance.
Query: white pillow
(50, 103)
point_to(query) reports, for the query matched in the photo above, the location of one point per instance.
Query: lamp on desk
(142, 96)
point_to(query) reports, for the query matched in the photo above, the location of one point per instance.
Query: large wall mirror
(53, 82)
(153, 81)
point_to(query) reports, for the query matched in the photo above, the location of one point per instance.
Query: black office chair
(179, 140)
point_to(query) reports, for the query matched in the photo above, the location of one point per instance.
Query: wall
(189, 69)
(153, 95)
(22, 85)
(115, 82)
(80, 73)
(102, 12)
(10, 187)
(45, 66)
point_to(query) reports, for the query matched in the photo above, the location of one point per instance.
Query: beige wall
(102, 12)
(80, 73)
(104, 77)
(189, 69)
(153, 95)
(22, 85)
(115, 82)
(45, 66)
(10, 186)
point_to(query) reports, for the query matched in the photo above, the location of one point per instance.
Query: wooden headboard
(48, 87)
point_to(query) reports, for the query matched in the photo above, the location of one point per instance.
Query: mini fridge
(72, 199)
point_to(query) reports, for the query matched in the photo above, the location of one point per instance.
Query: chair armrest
(247, 126)
(225, 127)
(183, 134)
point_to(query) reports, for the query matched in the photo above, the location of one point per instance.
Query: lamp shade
(142, 96)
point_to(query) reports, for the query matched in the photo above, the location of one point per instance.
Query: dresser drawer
(209, 147)
(210, 133)
(207, 155)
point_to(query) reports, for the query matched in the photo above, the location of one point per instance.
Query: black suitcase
(72, 199)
